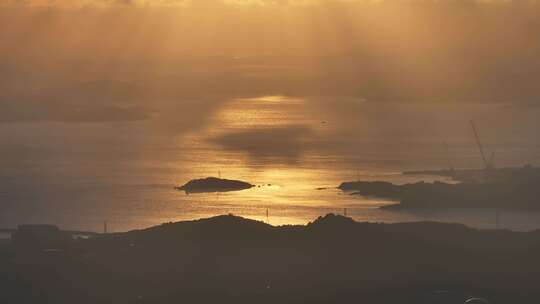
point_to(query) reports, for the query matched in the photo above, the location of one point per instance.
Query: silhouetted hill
(334, 259)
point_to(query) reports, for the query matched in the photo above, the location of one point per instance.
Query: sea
(80, 175)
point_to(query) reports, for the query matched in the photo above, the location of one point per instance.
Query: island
(506, 194)
(214, 184)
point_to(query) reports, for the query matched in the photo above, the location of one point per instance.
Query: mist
(86, 85)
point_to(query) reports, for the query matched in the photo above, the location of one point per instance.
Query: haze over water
(105, 106)
(109, 107)
(77, 176)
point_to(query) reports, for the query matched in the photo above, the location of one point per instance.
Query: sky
(377, 69)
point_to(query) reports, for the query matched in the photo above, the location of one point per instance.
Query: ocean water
(79, 175)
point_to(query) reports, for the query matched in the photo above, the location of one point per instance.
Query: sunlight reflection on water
(60, 180)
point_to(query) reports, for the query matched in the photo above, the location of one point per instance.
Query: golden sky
(188, 3)
(101, 56)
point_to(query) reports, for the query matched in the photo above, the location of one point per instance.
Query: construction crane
(488, 164)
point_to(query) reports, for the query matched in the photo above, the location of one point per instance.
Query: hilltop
(235, 260)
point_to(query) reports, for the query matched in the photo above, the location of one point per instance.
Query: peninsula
(506, 194)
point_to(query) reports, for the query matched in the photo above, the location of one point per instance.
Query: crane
(487, 164)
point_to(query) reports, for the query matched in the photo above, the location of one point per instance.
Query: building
(39, 237)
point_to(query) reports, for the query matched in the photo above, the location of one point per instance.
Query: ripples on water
(79, 176)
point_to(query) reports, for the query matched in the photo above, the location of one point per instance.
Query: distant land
(228, 259)
(483, 175)
(510, 188)
(214, 184)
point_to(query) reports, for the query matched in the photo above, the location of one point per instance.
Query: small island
(214, 184)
